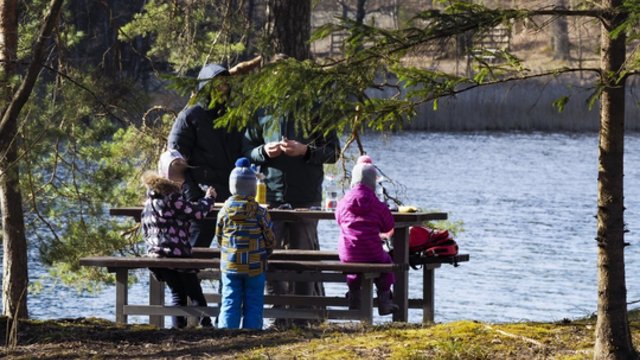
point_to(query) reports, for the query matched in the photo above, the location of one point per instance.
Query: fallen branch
(524, 338)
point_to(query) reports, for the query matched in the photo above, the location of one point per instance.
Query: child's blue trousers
(242, 297)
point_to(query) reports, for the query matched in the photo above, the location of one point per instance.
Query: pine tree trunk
(14, 262)
(560, 37)
(15, 274)
(613, 340)
(360, 11)
(291, 27)
(345, 9)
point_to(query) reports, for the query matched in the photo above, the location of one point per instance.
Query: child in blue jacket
(245, 237)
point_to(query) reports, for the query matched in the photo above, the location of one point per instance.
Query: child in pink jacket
(362, 219)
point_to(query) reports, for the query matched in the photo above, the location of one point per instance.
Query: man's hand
(293, 148)
(273, 149)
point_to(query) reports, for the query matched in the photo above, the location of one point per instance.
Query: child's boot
(354, 295)
(385, 305)
(179, 322)
(205, 322)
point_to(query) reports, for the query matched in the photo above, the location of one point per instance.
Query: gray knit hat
(242, 180)
(166, 158)
(364, 172)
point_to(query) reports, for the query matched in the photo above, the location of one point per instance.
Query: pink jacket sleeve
(386, 219)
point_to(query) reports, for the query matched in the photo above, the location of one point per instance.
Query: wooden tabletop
(296, 214)
(321, 255)
(192, 263)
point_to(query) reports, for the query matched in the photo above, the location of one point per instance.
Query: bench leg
(429, 292)
(401, 287)
(156, 297)
(428, 298)
(366, 301)
(122, 294)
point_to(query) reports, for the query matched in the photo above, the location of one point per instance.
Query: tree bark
(14, 262)
(360, 11)
(291, 27)
(15, 274)
(345, 8)
(613, 339)
(560, 34)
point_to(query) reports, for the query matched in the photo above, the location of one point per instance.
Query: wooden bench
(290, 270)
(284, 265)
(427, 263)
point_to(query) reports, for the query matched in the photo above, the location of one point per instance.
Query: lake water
(527, 203)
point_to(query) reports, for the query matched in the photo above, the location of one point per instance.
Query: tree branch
(449, 25)
(596, 13)
(24, 91)
(89, 91)
(500, 81)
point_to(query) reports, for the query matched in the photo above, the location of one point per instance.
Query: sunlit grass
(563, 340)
(456, 340)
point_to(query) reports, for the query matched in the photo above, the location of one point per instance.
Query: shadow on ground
(98, 338)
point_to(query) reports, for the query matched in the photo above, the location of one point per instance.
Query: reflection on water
(527, 202)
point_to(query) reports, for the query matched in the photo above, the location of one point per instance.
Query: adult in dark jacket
(293, 169)
(211, 152)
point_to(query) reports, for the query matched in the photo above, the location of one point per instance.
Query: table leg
(122, 294)
(156, 297)
(401, 287)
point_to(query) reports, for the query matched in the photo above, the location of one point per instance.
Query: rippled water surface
(527, 202)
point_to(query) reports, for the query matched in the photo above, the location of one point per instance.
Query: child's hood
(159, 184)
(239, 208)
(360, 200)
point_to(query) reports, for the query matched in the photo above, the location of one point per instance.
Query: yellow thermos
(261, 190)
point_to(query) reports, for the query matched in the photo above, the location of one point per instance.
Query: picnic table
(401, 256)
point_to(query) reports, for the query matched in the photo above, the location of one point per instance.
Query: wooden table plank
(115, 262)
(401, 219)
(278, 254)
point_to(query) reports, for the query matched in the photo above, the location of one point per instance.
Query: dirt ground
(100, 339)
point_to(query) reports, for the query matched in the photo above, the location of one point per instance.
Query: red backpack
(431, 242)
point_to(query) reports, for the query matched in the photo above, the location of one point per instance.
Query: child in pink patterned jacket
(362, 219)
(166, 218)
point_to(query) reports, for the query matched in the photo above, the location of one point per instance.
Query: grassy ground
(101, 339)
